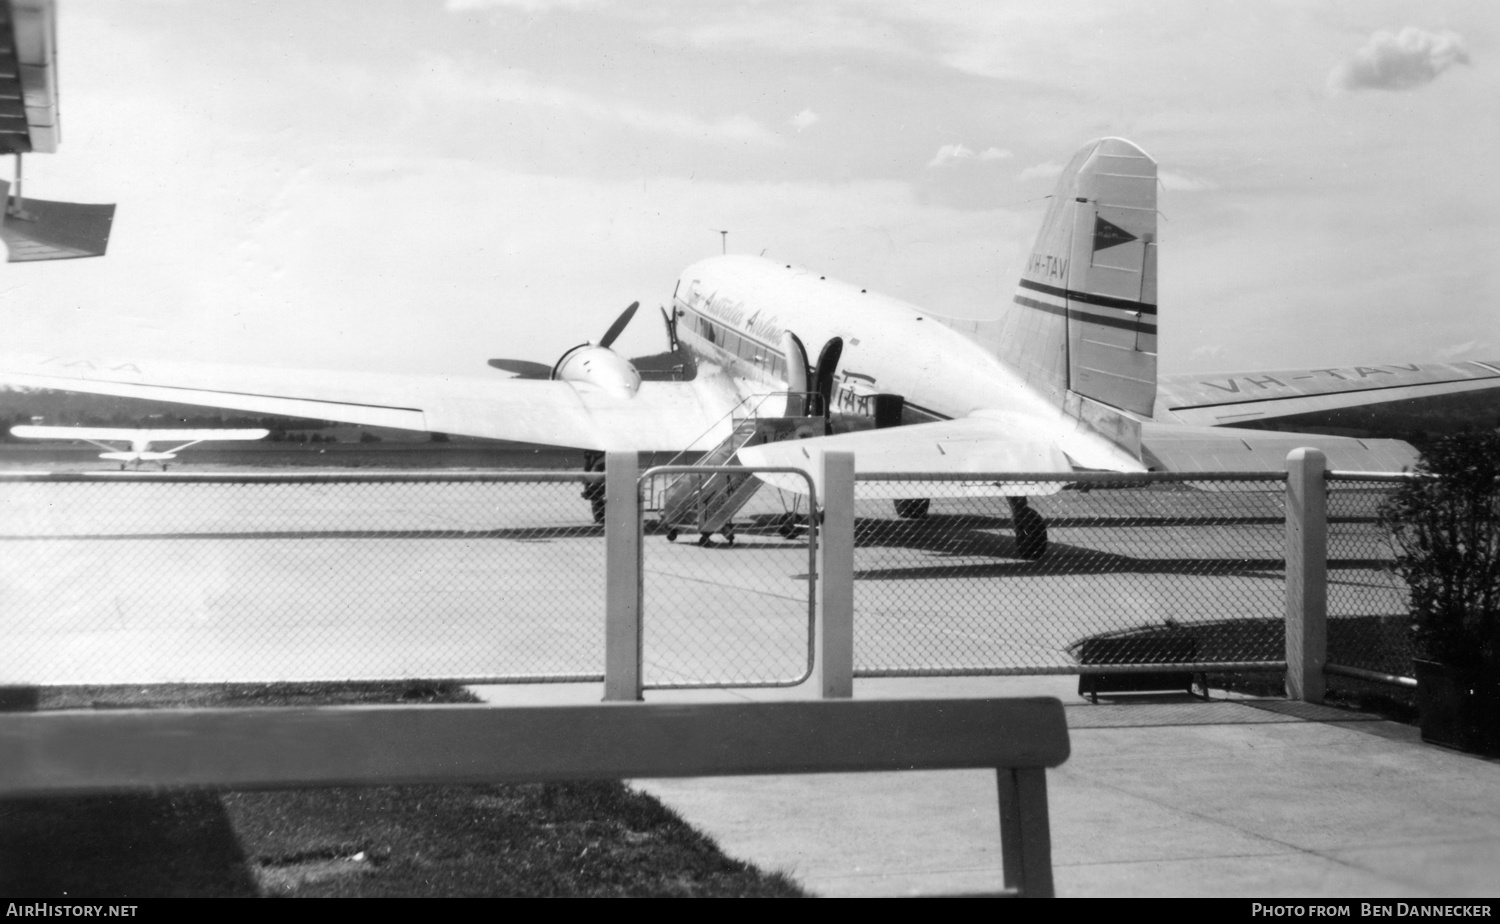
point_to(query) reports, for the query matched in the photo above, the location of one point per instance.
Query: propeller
(526, 369)
(589, 364)
(523, 368)
(618, 327)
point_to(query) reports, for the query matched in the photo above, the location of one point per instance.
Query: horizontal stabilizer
(948, 447)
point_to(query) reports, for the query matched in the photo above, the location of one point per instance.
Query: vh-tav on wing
(1379, 398)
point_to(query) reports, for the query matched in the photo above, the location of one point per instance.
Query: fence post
(622, 577)
(1306, 574)
(835, 627)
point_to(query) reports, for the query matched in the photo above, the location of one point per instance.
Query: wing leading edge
(1384, 398)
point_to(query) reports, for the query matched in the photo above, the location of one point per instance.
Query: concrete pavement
(1162, 796)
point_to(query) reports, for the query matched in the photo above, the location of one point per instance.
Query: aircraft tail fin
(1084, 316)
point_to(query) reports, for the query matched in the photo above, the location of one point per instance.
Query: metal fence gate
(725, 603)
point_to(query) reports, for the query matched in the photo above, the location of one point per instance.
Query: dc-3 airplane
(1062, 379)
(139, 440)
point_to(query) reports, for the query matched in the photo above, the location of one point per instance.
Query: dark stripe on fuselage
(1141, 327)
(1103, 301)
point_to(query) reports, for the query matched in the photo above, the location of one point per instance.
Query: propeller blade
(523, 368)
(618, 327)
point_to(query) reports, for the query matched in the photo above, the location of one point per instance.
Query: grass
(576, 839)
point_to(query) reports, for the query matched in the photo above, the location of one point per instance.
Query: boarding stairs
(706, 502)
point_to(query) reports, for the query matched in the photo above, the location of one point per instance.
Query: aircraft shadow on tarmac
(968, 536)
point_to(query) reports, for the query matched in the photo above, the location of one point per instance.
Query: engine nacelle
(599, 366)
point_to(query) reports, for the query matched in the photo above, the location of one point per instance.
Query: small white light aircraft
(140, 440)
(1061, 379)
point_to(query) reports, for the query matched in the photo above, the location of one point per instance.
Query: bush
(1445, 525)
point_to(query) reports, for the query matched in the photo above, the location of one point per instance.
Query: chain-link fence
(1368, 625)
(728, 596)
(1136, 571)
(493, 577)
(137, 578)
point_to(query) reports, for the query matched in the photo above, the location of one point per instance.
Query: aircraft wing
(1176, 448)
(1385, 398)
(971, 444)
(90, 434)
(662, 416)
(985, 445)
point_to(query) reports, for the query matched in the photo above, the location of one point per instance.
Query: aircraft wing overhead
(662, 416)
(989, 446)
(1331, 396)
(971, 444)
(1176, 448)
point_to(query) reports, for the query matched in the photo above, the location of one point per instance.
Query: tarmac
(1162, 796)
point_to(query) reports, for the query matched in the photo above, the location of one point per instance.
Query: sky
(419, 185)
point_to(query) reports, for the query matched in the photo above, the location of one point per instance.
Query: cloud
(801, 29)
(1399, 61)
(1050, 170)
(1184, 182)
(949, 153)
(524, 6)
(804, 119)
(443, 80)
(1459, 351)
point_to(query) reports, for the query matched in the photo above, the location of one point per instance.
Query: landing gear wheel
(671, 534)
(913, 509)
(1031, 533)
(598, 505)
(728, 537)
(788, 526)
(705, 538)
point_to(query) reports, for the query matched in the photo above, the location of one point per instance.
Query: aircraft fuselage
(732, 312)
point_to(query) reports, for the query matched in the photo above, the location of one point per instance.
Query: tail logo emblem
(1107, 235)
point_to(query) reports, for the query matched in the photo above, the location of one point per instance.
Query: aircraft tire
(705, 538)
(597, 504)
(913, 508)
(1031, 534)
(671, 534)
